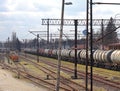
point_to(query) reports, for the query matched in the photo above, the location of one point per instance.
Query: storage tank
(83, 54)
(97, 56)
(72, 53)
(102, 56)
(54, 52)
(46, 52)
(65, 53)
(115, 56)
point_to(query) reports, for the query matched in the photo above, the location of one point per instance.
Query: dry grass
(109, 74)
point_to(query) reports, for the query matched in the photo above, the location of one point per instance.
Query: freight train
(109, 59)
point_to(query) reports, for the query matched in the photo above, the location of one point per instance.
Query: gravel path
(9, 83)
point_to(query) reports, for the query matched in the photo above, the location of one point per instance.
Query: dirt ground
(9, 83)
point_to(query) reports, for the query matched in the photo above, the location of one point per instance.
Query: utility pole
(60, 43)
(37, 47)
(48, 33)
(75, 72)
(87, 43)
(37, 44)
(102, 33)
(8, 51)
(60, 46)
(91, 46)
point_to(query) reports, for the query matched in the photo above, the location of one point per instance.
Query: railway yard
(44, 73)
(78, 52)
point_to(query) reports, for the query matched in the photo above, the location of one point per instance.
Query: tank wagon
(109, 59)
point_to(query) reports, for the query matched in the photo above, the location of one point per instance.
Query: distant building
(80, 46)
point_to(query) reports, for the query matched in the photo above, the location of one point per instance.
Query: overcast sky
(21, 16)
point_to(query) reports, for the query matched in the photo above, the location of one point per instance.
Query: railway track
(32, 78)
(95, 77)
(23, 72)
(64, 82)
(99, 79)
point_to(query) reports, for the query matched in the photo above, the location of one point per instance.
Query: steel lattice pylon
(81, 22)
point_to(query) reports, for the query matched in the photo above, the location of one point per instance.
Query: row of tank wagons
(13, 56)
(109, 56)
